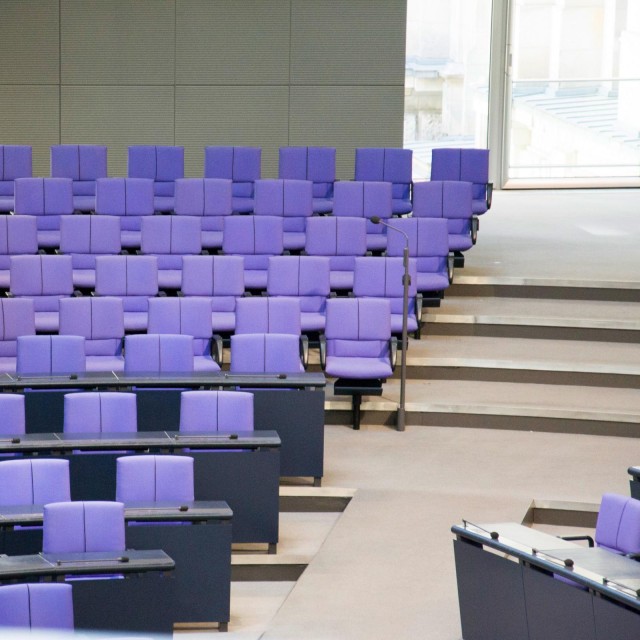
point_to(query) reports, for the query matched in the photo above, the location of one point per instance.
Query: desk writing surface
(605, 563)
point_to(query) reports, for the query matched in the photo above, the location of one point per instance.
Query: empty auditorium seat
(216, 411)
(18, 236)
(154, 353)
(241, 165)
(290, 199)
(303, 278)
(266, 353)
(17, 318)
(84, 164)
(100, 412)
(341, 240)
(388, 165)
(317, 164)
(34, 481)
(50, 355)
(153, 478)
(162, 164)
(208, 198)
(37, 606)
(47, 199)
(15, 162)
(255, 238)
(359, 199)
(13, 416)
(100, 321)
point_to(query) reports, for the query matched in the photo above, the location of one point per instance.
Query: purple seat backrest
(292, 163)
(369, 164)
(188, 316)
(398, 170)
(298, 276)
(142, 162)
(218, 162)
(154, 478)
(321, 164)
(93, 161)
(246, 164)
(253, 235)
(377, 201)
(92, 318)
(111, 196)
(268, 315)
(216, 411)
(34, 481)
(358, 319)
(383, 278)
(44, 196)
(427, 200)
(213, 276)
(240, 164)
(174, 235)
(50, 355)
(445, 164)
(428, 237)
(348, 198)
(203, 197)
(126, 276)
(76, 527)
(90, 235)
(336, 236)
(79, 162)
(97, 412)
(13, 420)
(17, 318)
(139, 197)
(457, 200)
(18, 234)
(41, 275)
(268, 198)
(159, 353)
(16, 161)
(29, 196)
(265, 353)
(618, 525)
(37, 606)
(169, 163)
(298, 198)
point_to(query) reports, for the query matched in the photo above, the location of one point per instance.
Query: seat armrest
(475, 225)
(304, 351)
(419, 303)
(489, 194)
(450, 267)
(393, 352)
(322, 342)
(588, 539)
(216, 348)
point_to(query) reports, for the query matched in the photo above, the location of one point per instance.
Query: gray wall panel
(118, 41)
(30, 115)
(346, 118)
(117, 117)
(231, 42)
(250, 116)
(355, 42)
(30, 45)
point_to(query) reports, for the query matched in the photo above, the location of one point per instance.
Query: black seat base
(356, 388)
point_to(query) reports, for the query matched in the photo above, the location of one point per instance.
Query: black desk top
(198, 511)
(140, 440)
(211, 380)
(60, 564)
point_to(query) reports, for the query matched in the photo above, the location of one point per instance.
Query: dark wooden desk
(201, 581)
(515, 593)
(244, 471)
(297, 416)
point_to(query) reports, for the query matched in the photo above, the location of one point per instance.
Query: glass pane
(446, 77)
(575, 90)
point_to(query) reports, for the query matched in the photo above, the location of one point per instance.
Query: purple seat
(86, 237)
(37, 606)
(302, 278)
(78, 527)
(220, 279)
(317, 164)
(132, 278)
(191, 317)
(290, 199)
(50, 355)
(451, 201)
(241, 165)
(340, 239)
(169, 238)
(47, 199)
(100, 321)
(388, 165)
(618, 524)
(358, 199)
(34, 481)
(154, 478)
(383, 278)
(162, 164)
(360, 351)
(17, 318)
(154, 353)
(230, 411)
(44, 279)
(13, 416)
(208, 198)
(265, 353)
(129, 198)
(15, 162)
(84, 164)
(429, 245)
(100, 412)
(466, 165)
(18, 236)
(255, 238)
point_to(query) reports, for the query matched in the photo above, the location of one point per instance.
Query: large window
(446, 77)
(574, 91)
